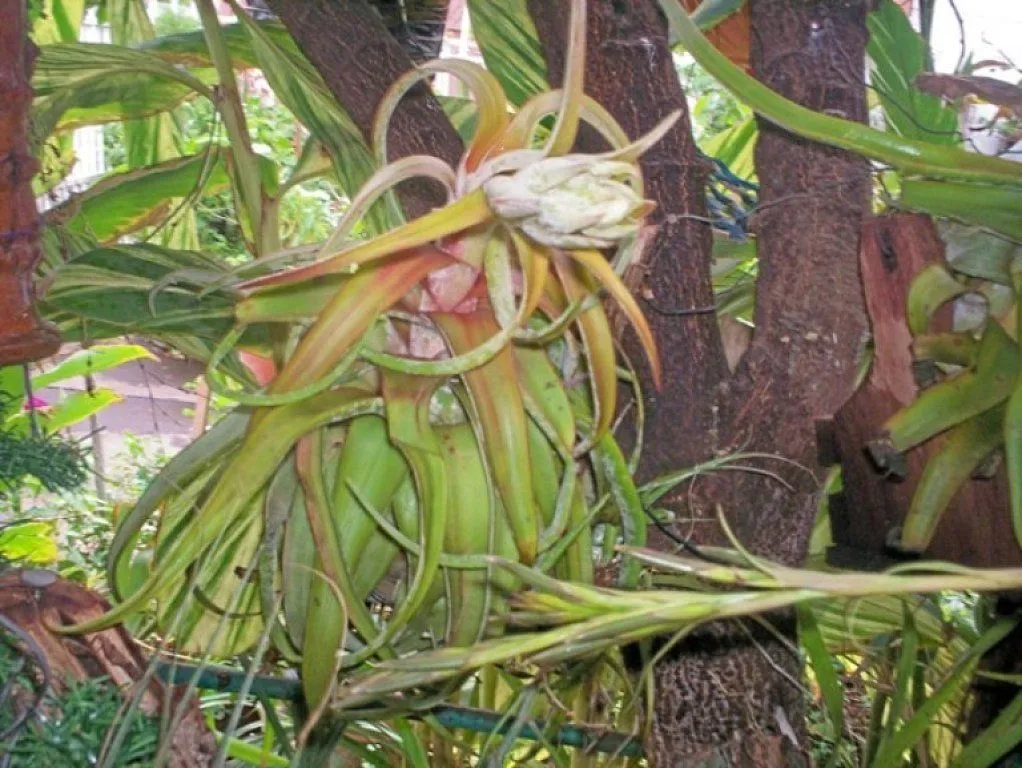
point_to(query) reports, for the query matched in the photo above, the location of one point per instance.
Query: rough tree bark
(726, 696)
(347, 41)
(629, 69)
(23, 336)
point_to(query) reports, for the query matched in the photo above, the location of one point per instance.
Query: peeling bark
(895, 248)
(348, 43)
(23, 336)
(35, 600)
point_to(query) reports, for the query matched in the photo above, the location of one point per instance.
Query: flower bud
(575, 201)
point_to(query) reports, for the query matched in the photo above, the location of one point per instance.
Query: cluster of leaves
(70, 728)
(71, 531)
(58, 465)
(152, 270)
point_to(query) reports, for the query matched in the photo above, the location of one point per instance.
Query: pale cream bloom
(576, 201)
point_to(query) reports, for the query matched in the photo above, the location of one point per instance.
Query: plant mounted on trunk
(445, 392)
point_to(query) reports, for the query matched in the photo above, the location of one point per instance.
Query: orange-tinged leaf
(520, 133)
(566, 128)
(595, 263)
(535, 264)
(466, 212)
(351, 312)
(491, 106)
(599, 345)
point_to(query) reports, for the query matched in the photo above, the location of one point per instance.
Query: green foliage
(70, 729)
(180, 296)
(123, 203)
(714, 109)
(30, 543)
(510, 47)
(898, 54)
(70, 530)
(308, 211)
(90, 361)
(86, 84)
(170, 23)
(56, 464)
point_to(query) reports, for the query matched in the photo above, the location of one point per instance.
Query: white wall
(993, 29)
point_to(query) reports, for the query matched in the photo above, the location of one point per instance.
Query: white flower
(575, 201)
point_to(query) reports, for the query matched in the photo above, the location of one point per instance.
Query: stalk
(228, 103)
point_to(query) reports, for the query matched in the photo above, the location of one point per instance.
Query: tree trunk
(23, 336)
(741, 702)
(347, 41)
(630, 71)
(730, 694)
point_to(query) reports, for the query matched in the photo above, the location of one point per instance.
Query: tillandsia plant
(444, 392)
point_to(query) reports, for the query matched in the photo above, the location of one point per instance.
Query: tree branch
(23, 336)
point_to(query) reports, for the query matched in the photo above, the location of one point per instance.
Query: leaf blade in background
(995, 741)
(734, 146)
(123, 203)
(29, 543)
(301, 89)
(76, 408)
(60, 22)
(90, 83)
(510, 46)
(983, 205)
(12, 390)
(90, 361)
(831, 689)
(898, 54)
(114, 288)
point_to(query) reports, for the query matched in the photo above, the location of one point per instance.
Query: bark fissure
(630, 71)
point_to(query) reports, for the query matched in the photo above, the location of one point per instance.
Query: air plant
(445, 393)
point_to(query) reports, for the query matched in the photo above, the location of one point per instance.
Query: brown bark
(724, 694)
(23, 336)
(348, 43)
(630, 71)
(36, 600)
(810, 325)
(894, 249)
